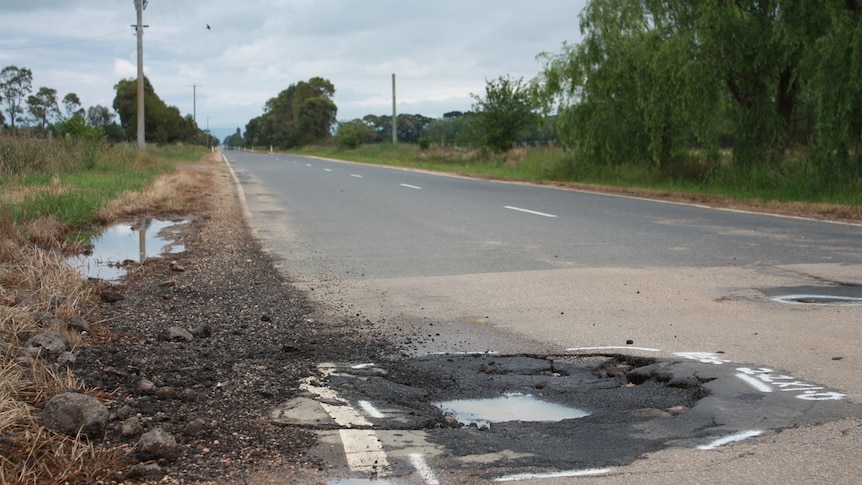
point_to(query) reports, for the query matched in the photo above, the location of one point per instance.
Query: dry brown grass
(38, 280)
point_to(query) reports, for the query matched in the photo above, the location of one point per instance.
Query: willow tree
(660, 77)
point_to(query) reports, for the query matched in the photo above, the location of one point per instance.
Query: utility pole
(195, 102)
(394, 114)
(140, 5)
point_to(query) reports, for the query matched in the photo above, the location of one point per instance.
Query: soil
(256, 337)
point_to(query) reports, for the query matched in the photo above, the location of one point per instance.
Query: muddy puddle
(122, 246)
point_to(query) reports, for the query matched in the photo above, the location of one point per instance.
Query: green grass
(794, 181)
(71, 181)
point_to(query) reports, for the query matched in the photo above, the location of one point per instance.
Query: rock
(111, 296)
(202, 331)
(77, 323)
(176, 334)
(158, 443)
(195, 427)
(175, 266)
(48, 320)
(131, 427)
(67, 358)
(166, 393)
(125, 412)
(71, 412)
(146, 387)
(47, 345)
(142, 470)
(265, 318)
(25, 298)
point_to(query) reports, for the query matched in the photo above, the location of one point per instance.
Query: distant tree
(162, 123)
(15, 85)
(502, 114)
(43, 106)
(301, 114)
(72, 105)
(450, 129)
(234, 140)
(351, 134)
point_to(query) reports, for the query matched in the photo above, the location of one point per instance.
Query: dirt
(256, 338)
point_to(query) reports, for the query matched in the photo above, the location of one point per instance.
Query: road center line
(528, 211)
(411, 186)
(356, 175)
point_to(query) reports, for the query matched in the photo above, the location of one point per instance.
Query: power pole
(140, 5)
(394, 114)
(195, 102)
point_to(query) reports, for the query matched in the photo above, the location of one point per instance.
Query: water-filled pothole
(121, 244)
(509, 407)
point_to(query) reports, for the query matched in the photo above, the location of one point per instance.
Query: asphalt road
(465, 265)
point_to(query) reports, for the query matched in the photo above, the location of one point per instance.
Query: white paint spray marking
(734, 438)
(563, 474)
(370, 409)
(767, 381)
(411, 186)
(528, 211)
(703, 357)
(760, 386)
(819, 300)
(645, 349)
(422, 468)
(356, 175)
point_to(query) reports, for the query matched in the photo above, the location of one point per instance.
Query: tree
(72, 105)
(301, 114)
(351, 134)
(502, 114)
(163, 123)
(15, 85)
(43, 106)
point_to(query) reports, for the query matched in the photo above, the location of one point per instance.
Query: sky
(441, 51)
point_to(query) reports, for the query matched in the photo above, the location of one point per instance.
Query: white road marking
(356, 175)
(327, 169)
(370, 409)
(819, 300)
(362, 450)
(307, 164)
(563, 474)
(422, 468)
(755, 383)
(734, 438)
(411, 186)
(528, 211)
(645, 349)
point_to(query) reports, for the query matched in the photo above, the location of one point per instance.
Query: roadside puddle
(509, 407)
(121, 245)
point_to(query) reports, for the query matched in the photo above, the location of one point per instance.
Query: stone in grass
(111, 296)
(175, 334)
(70, 413)
(47, 345)
(75, 322)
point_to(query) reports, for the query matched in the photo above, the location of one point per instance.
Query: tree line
(40, 113)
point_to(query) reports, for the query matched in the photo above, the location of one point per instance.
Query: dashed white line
(356, 175)
(528, 211)
(563, 474)
(411, 186)
(327, 169)
(422, 468)
(743, 435)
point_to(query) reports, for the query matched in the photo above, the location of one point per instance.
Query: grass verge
(43, 202)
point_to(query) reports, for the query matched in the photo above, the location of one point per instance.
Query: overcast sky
(441, 51)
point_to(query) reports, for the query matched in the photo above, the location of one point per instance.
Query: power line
(58, 44)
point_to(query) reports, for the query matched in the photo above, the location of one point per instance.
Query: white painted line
(821, 300)
(645, 349)
(361, 366)
(563, 474)
(411, 186)
(422, 468)
(364, 452)
(755, 383)
(327, 169)
(307, 164)
(355, 175)
(370, 409)
(528, 211)
(734, 438)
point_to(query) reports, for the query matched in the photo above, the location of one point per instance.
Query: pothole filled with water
(509, 407)
(120, 246)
